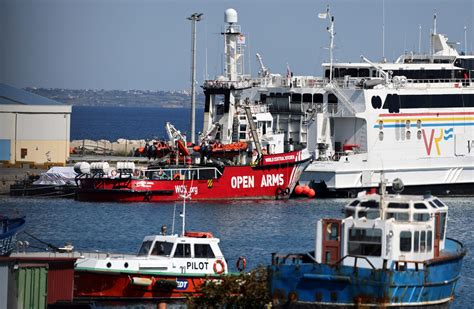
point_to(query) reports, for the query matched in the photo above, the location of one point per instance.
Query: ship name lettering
(196, 265)
(272, 180)
(237, 182)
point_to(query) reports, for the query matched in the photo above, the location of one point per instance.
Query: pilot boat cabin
(404, 232)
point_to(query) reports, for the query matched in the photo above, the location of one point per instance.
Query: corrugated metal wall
(4, 285)
(32, 284)
(60, 282)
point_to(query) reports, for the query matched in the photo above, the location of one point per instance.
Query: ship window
(145, 248)
(433, 204)
(439, 203)
(443, 224)
(370, 204)
(162, 248)
(318, 98)
(203, 251)
(398, 216)
(361, 214)
(371, 214)
(365, 242)
(430, 240)
(416, 246)
(296, 98)
(307, 97)
(423, 241)
(364, 72)
(354, 203)
(349, 213)
(182, 251)
(398, 205)
(420, 206)
(421, 217)
(405, 241)
(332, 98)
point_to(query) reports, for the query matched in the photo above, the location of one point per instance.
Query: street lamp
(195, 17)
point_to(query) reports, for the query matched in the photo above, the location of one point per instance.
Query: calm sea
(251, 229)
(112, 123)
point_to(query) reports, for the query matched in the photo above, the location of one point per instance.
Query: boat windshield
(162, 248)
(145, 248)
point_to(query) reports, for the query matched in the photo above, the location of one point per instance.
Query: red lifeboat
(199, 234)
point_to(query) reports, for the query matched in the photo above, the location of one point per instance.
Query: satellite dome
(230, 16)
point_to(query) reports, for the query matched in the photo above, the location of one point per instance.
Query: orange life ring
(221, 265)
(241, 263)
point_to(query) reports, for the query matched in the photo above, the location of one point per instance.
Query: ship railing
(196, 173)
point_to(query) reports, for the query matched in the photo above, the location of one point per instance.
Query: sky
(144, 44)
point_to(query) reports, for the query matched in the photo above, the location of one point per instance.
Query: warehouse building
(34, 130)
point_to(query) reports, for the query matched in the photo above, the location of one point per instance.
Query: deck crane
(263, 72)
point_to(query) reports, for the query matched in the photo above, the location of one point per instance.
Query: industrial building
(34, 130)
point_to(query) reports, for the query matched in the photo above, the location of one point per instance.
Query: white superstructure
(411, 119)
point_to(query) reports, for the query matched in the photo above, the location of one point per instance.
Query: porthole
(109, 265)
(125, 265)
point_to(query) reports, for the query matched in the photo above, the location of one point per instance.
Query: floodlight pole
(195, 17)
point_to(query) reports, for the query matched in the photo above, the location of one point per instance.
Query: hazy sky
(137, 44)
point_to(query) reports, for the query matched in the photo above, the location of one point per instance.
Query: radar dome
(230, 16)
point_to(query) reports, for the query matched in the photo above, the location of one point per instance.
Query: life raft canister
(219, 267)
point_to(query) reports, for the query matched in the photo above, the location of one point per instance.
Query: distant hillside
(138, 98)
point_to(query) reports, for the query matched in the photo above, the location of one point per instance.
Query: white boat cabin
(196, 253)
(403, 233)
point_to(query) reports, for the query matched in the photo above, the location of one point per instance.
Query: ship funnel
(230, 16)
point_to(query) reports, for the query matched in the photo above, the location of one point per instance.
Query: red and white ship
(273, 176)
(166, 267)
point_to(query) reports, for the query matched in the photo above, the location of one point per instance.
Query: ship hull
(308, 284)
(275, 178)
(109, 286)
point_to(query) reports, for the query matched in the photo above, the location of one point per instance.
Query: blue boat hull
(302, 283)
(9, 228)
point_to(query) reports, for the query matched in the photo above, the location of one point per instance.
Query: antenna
(465, 40)
(330, 29)
(383, 30)
(419, 39)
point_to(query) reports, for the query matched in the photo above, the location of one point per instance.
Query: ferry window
(421, 217)
(420, 206)
(307, 98)
(439, 203)
(423, 241)
(263, 98)
(182, 251)
(430, 240)
(433, 204)
(332, 232)
(364, 72)
(318, 98)
(398, 205)
(349, 213)
(162, 248)
(354, 203)
(398, 216)
(296, 98)
(361, 214)
(203, 251)
(416, 246)
(370, 204)
(405, 241)
(443, 224)
(365, 242)
(145, 248)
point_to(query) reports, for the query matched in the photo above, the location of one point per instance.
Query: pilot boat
(388, 251)
(165, 267)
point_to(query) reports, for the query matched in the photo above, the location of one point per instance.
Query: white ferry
(411, 119)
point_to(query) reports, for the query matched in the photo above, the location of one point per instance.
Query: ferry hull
(316, 285)
(97, 285)
(273, 179)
